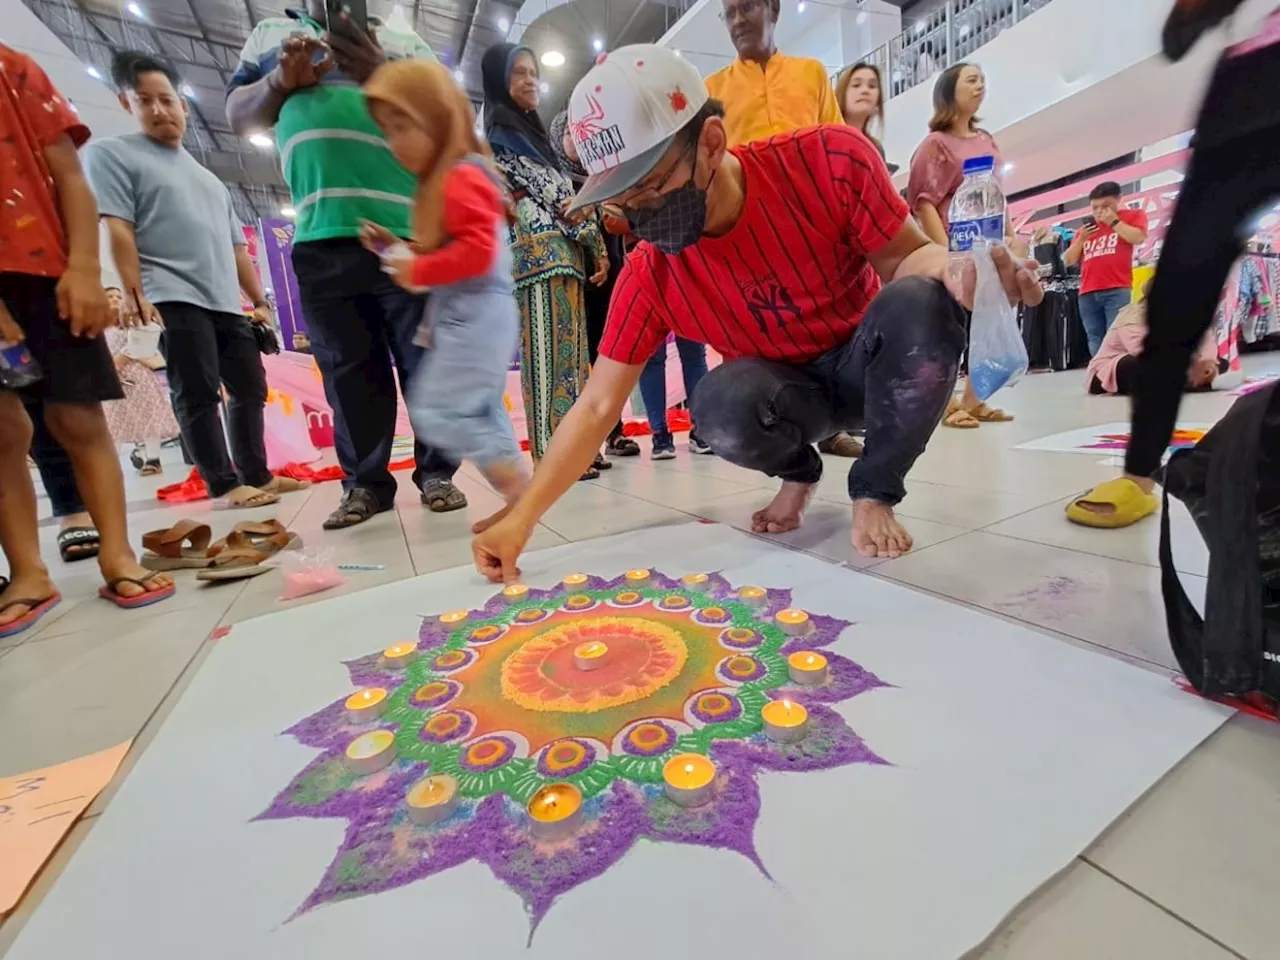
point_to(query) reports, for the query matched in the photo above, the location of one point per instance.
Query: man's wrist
(277, 83)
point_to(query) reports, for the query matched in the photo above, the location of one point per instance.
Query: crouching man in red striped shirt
(774, 253)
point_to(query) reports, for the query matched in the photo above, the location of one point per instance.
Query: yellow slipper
(1128, 503)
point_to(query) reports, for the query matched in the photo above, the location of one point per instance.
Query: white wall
(1063, 95)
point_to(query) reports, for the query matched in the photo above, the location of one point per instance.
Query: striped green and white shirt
(335, 159)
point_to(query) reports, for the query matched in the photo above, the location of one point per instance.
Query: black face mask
(678, 222)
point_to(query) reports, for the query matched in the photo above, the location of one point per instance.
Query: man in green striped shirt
(303, 80)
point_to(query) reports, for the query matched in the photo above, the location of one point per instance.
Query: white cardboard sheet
(1011, 752)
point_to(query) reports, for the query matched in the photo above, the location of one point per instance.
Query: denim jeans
(360, 323)
(1098, 312)
(455, 397)
(653, 379)
(204, 351)
(894, 375)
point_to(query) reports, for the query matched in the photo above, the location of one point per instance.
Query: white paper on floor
(1010, 753)
(1109, 438)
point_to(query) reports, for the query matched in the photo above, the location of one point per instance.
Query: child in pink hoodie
(1114, 366)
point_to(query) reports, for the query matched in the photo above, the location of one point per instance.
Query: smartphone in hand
(357, 12)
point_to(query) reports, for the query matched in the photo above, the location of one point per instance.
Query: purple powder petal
(829, 743)
(845, 680)
(728, 822)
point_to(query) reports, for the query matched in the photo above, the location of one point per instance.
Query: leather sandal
(184, 546)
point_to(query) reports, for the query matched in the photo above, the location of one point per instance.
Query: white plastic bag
(997, 354)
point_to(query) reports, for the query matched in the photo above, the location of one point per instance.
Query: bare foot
(128, 566)
(35, 587)
(285, 485)
(243, 498)
(786, 511)
(877, 532)
(480, 526)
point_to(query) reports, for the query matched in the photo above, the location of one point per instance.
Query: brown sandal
(986, 414)
(166, 550)
(237, 560)
(265, 536)
(959, 418)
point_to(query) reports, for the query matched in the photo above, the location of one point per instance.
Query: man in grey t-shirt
(180, 252)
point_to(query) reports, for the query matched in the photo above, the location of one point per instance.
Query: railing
(947, 35)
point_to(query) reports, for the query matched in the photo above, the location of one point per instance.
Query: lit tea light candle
(590, 655)
(794, 622)
(515, 592)
(674, 602)
(690, 779)
(453, 617)
(754, 596)
(579, 601)
(638, 577)
(432, 799)
(366, 705)
(398, 655)
(785, 721)
(370, 752)
(575, 582)
(807, 668)
(696, 581)
(555, 811)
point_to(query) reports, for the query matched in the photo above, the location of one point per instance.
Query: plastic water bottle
(18, 368)
(978, 208)
(997, 354)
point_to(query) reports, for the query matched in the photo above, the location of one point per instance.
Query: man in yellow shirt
(765, 92)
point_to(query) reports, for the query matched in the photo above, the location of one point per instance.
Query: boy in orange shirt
(51, 299)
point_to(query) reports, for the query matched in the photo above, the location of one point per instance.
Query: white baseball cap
(626, 112)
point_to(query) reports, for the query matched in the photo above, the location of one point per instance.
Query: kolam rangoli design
(537, 735)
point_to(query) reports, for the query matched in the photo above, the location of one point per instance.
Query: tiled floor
(1188, 874)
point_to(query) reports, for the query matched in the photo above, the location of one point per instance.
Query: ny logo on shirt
(766, 297)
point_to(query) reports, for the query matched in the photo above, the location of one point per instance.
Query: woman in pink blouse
(936, 172)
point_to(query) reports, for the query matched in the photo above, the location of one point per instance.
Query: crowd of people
(753, 213)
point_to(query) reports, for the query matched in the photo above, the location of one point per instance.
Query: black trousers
(894, 375)
(204, 351)
(56, 475)
(1228, 182)
(360, 323)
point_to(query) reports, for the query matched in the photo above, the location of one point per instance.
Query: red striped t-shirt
(790, 280)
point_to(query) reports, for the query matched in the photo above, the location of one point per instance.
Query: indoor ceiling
(203, 39)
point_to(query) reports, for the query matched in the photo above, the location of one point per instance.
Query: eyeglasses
(651, 196)
(744, 8)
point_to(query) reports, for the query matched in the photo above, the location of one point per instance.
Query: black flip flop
(78, 543)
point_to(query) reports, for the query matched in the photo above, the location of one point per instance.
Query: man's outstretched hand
(497, 549)
(1017, 276)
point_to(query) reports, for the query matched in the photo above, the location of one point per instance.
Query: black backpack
(1230, 482)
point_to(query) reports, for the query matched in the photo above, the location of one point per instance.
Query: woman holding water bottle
(937, 169)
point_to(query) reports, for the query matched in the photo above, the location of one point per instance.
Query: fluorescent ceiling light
(288, 212)
(597, 44)
(135, 10)
(94, 72)
(544, 87)
(1006, 168)
(260, 140)
(504, 24)
(800, 7)
(553, 58)
(187, 91)
(458, 74)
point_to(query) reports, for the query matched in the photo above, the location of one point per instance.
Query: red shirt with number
(33, 115)
(790, 280)
(1107, 260)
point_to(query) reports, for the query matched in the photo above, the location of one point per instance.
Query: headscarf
(505, 123)
(429, 96)
(575, 170)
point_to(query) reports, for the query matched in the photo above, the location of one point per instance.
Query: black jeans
(1226, 185)
(360, 322)
(54, 465)
(205, 350)
(894, 375)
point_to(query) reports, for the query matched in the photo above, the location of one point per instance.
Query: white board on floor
(1010, 753)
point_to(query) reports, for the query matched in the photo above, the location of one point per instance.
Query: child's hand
(397, 263)
(10, 332)
(376, 238)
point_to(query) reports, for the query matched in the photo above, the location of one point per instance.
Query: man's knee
(919, 311)
(75, 424)
(725, 408)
